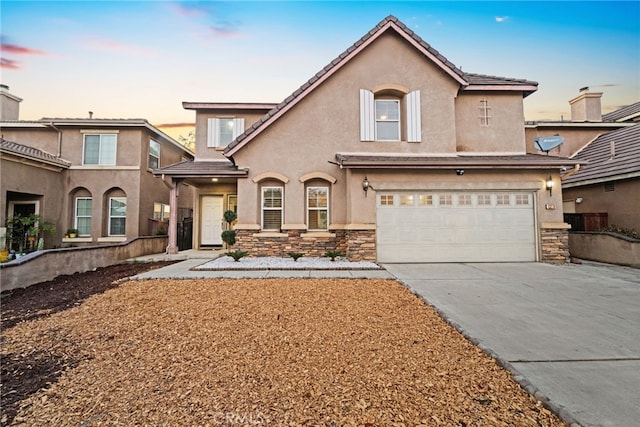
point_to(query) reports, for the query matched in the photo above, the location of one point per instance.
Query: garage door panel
(473, 228)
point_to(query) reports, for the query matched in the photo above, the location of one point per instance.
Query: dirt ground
(83, 350)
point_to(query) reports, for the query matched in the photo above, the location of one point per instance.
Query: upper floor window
(222, 131)
(272, 203)
(154, 154)
(318, 208)
(381, 115)
(387, 120)
(484, 112)
(99, 149)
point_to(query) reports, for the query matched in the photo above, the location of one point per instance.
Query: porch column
(173, 217)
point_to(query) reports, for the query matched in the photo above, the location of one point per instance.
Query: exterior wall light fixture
(365, 185)
(549, 185)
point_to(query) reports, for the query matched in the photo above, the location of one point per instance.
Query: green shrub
(295, 255)
(236, 255)
(621, 230)
(229, 237)
(333, 255)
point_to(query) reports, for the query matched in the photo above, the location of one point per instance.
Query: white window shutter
(213, 134)
(367, 115)
(238, 127)
(414, 125)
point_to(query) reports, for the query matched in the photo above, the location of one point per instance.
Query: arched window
(116, 205)
(82, 211)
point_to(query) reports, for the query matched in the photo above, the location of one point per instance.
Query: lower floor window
(83, 216)
(272, 208)
(117, 216)
(318, 208)
(161, 211)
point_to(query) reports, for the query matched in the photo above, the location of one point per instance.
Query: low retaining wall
(610, 248)
(45, 265)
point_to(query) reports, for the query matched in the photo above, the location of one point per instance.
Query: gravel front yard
(248, 352)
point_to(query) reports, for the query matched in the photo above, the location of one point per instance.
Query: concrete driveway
(572, 332)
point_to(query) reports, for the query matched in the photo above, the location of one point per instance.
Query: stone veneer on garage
(360, 245)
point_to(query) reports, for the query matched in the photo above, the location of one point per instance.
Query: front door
(211, 220)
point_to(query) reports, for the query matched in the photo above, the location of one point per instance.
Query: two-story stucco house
(93, 175)
(389, 153)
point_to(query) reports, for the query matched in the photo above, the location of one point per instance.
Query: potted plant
(24, 231)
(72, 233)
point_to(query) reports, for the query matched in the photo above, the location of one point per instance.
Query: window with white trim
(484, 200)
(99, 149)
(406, 199)
(484, 112)
(425, 200)
(223, 130)
(318, 208)
(161, 211)
(154, 154)
(272, 204)
(387, 119)
(82, 220)
(502, 200)
(464, 200)
(386, 199)
(117, 216)
(445, 200)
(380, 116)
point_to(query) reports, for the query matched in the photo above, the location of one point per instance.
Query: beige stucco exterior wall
(575, 138)
(327, 121)
(621, 205)
(504, 134)
(43, 184)
(130, 177)
(202, 122)
(42, 138)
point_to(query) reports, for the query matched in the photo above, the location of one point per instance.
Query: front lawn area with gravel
(276, 352)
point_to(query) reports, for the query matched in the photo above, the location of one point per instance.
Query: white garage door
(443, 226)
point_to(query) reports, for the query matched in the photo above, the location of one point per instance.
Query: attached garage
(455, 226)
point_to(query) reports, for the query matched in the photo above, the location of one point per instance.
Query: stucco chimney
(587, 106)
(9, 104)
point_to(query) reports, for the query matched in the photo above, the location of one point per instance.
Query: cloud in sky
(14, 49)
(99, 43)
(9, 64)
(502, 18)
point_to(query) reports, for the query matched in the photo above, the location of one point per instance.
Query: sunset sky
(142, 59)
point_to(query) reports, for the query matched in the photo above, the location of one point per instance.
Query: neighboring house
(607, 188)
(389, 153)
(585, 124)
(94, 175)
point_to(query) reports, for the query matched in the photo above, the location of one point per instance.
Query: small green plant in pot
(72, 233)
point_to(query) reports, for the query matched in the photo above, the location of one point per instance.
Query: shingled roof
(467, 81)
(31, 153)
(614, 155)
(196, 169)
(624, 114)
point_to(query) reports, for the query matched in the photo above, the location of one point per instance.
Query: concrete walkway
(570, 332)
(191, 258)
